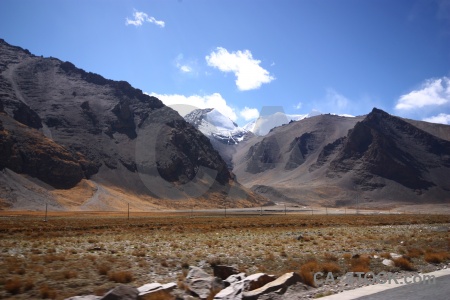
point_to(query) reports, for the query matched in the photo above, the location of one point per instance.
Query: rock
(233, 292)
(223, 272)
(27, 151)
(156, 290)
(236, 289)
(201, 283)
(388, 262)
(395, 255)
(234, 278)
(122, 292)
(255, 281)
(25, 115)
(300, 237)
(281, 283)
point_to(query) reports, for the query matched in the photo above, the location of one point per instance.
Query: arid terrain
(75, 253)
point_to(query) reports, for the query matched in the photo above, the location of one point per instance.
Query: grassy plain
(89, 253)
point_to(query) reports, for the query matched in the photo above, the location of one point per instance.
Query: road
(439, 290)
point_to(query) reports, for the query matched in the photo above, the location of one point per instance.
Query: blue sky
(344, 56)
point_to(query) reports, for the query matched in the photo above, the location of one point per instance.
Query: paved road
(440, 290)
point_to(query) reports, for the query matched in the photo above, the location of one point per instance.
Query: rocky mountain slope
(62, 124)
(331, 160)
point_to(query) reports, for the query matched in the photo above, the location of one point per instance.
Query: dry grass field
(89, 253)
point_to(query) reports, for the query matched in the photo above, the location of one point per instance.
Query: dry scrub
(91, 253)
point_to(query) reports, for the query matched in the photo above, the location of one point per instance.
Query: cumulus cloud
(214, 100)
(249, 113)
(249, 74)
(433, 92)
(141, 17)
(440, 118)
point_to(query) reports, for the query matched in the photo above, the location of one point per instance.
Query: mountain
(63, 129)
(215, 125)
(332, 160)
(223, 133)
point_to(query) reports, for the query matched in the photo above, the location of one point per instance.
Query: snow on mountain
(213, 124)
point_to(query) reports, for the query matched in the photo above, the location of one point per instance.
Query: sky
(242, 57)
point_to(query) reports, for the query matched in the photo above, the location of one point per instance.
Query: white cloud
(298, 105)
(336, 100)
(141, 17)
(183, 66)
(196, 101)
(249, 113)
(249, 74)
(433, 92)
(440, 118)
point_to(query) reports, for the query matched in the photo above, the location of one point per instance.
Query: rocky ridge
(112, 133)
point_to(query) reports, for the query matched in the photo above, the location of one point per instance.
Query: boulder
(255, 281)
(121, 292)
(201, 283)
(223, 272)
(153, 291)
(234, 278)
(280, 284)
(236, 288)
(388, 262)
(233, 292)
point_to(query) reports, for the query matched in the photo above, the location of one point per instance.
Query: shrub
(330, 257)
(330, 267)
(307, 272)
(414, 252)
(120, 276)
(403, 264)
(346, 256)
(47, 292)
(29, 284)
(13, 285)
(360, 264)
(436, 257)
(103, 269)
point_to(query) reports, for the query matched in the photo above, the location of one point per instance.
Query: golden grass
(403, 264)
(120, 276)
(436, 257)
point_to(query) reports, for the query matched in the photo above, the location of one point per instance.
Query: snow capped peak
(215, 125)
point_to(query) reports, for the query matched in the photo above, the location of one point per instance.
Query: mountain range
(75, 140)
(370, 160)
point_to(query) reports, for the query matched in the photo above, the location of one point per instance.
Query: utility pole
(326, 210)
(128, 211)
(285, 209)
(45, 220)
